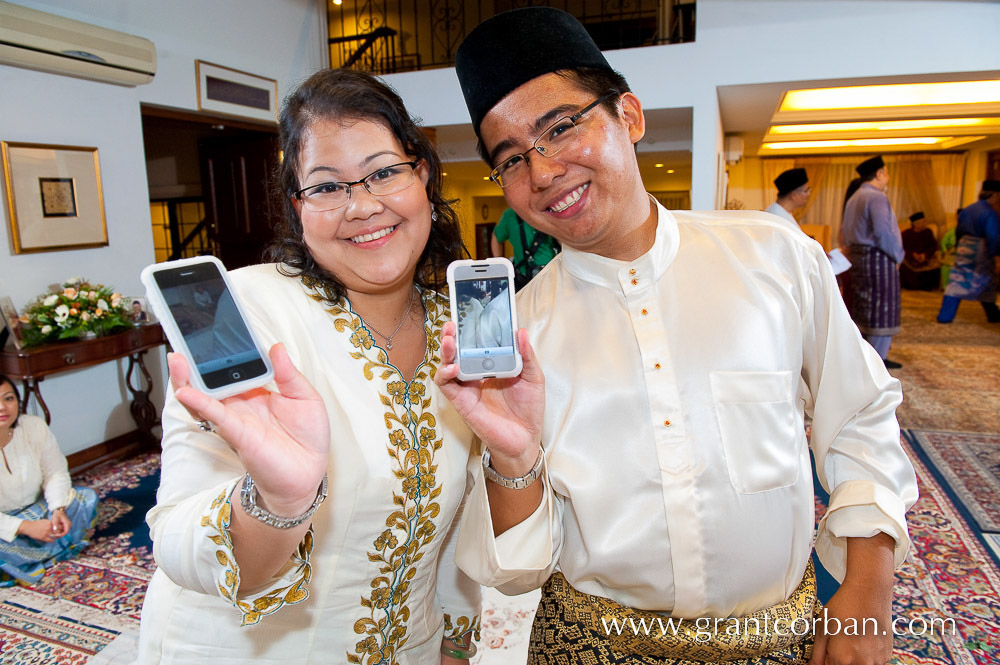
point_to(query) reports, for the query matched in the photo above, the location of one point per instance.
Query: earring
(434, 215)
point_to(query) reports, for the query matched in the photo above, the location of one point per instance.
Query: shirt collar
(649, 267)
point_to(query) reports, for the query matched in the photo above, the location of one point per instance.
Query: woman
(43, 518)
(366, 576)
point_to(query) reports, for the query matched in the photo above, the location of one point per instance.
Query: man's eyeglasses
(559, 135)
(332, 195)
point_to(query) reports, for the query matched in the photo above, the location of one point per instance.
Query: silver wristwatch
(248, 500)
(513, 483)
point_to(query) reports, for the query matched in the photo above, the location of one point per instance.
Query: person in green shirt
(541, 247)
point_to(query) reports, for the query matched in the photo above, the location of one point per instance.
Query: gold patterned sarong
(572, 627)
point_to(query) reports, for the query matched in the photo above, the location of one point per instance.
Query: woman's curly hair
(345, 95)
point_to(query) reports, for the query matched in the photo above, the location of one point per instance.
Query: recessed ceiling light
(659, 166)
(976, 124)
(670, 170)
(899, 94)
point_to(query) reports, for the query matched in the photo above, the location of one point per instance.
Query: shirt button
(644, 312)
(666, 423)
(634, 282)
(632, 271)
(656, 366)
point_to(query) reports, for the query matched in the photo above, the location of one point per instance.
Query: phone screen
(221, 346)
(485, 328)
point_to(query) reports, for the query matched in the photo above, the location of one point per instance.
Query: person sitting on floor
(921, 267)
(43, 518)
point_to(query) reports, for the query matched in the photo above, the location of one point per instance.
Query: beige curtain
(931, 182)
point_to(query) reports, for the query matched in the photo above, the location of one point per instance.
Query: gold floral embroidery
(412, 441)
(456, 630)
(253, 610)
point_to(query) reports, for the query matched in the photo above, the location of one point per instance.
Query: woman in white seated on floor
(43, 518)
(352, 316)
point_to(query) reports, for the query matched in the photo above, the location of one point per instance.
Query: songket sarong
(26, 559)
(575, 627)
(874, 301)
(971, 276)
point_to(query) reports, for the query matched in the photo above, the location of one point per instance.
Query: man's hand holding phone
(505, 413)
(282, 438)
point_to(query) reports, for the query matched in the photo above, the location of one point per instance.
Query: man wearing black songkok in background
(677, 356)
(875, 250)
(793, 194)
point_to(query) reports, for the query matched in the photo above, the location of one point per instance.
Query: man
(875, 250)
(793, 194)
(532, 249)
(672, 357)
(921, 267)
(974, 274)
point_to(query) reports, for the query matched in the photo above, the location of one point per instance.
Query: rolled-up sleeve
(855, 433)
(521, 558)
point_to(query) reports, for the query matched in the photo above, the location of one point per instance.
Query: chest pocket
(758, 425)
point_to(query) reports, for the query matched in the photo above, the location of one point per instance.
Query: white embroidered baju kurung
(375, 582)
(677, 467)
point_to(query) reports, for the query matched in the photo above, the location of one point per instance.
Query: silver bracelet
(248, 500)
(513, 483)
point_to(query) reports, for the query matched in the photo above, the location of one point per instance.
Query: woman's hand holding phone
(505, 413)
(282, 438)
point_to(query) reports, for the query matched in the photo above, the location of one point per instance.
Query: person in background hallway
(793, 194)
(532, 248)
(976, 270)
(253, 565)
(43, 518)
(875, 250)
(921, 267)
(647, 460)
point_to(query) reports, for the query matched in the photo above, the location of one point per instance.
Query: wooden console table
(33, 364)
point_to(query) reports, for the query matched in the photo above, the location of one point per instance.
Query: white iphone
(482, 304)
(201, 317)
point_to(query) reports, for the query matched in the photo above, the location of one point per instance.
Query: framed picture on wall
(54, 197)
(232, 92)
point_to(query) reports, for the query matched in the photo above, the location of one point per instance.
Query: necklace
(388, 338)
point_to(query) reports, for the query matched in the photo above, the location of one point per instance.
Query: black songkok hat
(991, 186)
(790, 180)
(917, 215)
(869, 166)
(512, 48)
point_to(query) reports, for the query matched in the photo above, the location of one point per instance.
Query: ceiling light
(659, 166)
(900, 94)
(855, 143)
(670, 170)
(975, 124)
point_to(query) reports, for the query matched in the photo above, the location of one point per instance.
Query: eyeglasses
(332, 195)
(559, 135)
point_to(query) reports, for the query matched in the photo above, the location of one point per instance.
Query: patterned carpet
(82, 606)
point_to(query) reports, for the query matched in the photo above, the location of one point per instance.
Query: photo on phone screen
(218, 340)
(482, 306)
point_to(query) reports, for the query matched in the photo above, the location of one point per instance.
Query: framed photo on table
(54, 197)
(11, 329)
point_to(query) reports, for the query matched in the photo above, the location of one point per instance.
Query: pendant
(388, 345)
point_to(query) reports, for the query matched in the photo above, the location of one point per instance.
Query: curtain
(931, 182)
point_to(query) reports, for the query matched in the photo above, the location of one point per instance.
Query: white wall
(741, 42)
(279, 39)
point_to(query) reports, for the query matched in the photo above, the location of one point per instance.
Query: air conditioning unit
(45, 42)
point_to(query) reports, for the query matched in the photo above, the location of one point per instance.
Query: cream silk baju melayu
(777, 209)
(677, 472)
(375, 582)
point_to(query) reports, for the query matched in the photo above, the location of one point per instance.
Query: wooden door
(236, 173)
